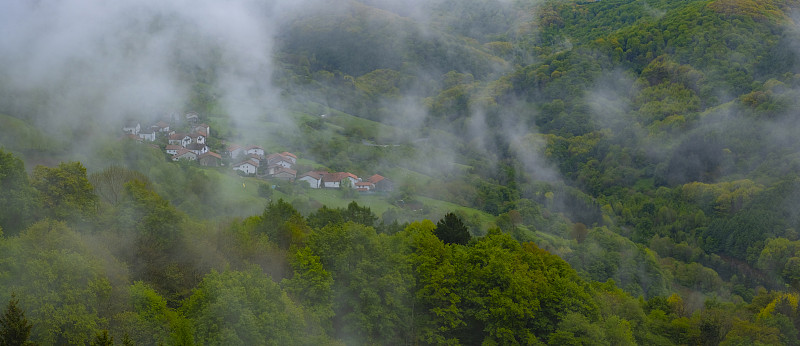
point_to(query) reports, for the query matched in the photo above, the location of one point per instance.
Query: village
(248, 160)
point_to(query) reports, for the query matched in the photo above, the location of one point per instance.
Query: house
(334, 180)
(210, 159)
(172, 149)
(364, 186)
(180, 139)
(381, 183)
(314, 178)
(284, 173)
(197, 148)
(132, 127)
(248, 166)
(289, 156)
(148, 135)
(184, 154)
(202, 129)
(254, 149)
(162, 126)
(191, 117)
(197, 138)
(235, 151)
(280, 160)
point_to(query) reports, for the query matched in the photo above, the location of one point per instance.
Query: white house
(313, 178)
(247, 167)
(197, 138)
(184, 154)
(148, 135)
(163, 127)
(289, 156)
(254, 149)
(197, 148)
(334, 180)
(172, 149)
(191, 117)
(132, 128)
(203, 129)
(283, 173)
(364, 186)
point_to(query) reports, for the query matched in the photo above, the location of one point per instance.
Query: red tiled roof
(211, 153)
(375, 178)
(286, 153)
(173, 147)
(282, 169)
(183, 151)
(177, 136)
(314, 174)
(363, 183)
(233, 147)
(254, 147)
(162, 124)
(338, 176)
(251, 162)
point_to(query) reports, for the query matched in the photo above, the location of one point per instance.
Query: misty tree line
(133, 269)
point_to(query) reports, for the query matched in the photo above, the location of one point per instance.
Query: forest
(567, 172)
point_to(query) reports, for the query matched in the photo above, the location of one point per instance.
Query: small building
(181, 139)
(191, 117)
(235, 151)
(248, 166)
(314, 178)
(254, 149)
(148, 135)
(210, 159)
(172, 149)
(197, 138)
(162, 127)
(289, 156)
(197, 148)
(364, 186)
(202, 129)
(381, 183)
(132, 127)
(279, 160)
(334, 180)
(284, 173)
(184, 154)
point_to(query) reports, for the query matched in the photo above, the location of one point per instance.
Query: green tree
(109, 184)
(65, 191)
(103, 339)
(14, 327)
(452, 230)
(18, 199)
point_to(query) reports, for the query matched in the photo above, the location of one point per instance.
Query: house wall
(314, 183)
(258, 152)
(246, 168)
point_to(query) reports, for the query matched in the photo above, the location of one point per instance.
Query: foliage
(14, 327)
(451, 230)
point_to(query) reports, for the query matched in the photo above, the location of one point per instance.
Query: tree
(14, 327)
(65, 191)
(103, 339)
(109, 184)
(18, 197)
(451, 230)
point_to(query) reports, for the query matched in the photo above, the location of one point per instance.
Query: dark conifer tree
(452, 230)
(103, 339)
(14, 327)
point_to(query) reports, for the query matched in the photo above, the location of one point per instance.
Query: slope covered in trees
(618, 172)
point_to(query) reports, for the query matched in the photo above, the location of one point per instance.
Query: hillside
(565, 172)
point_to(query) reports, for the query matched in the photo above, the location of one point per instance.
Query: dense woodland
(567, 172)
